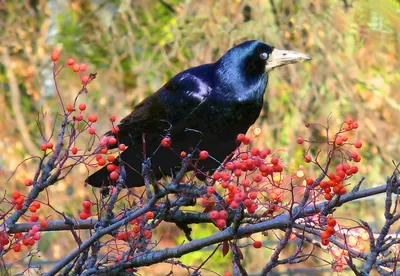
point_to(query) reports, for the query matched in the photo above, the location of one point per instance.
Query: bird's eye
(264, 55)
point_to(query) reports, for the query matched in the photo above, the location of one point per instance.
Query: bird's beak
(283, 57)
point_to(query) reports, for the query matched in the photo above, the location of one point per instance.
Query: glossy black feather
(204, 107)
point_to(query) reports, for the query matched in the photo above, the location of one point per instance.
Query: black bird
(204, 108)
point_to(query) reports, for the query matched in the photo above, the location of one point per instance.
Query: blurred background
(136, 46)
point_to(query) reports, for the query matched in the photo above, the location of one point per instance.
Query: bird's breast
(225, 120)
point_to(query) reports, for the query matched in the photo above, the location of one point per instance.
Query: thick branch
(277, 222)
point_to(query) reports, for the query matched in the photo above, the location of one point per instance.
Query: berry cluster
(86, 212)
(343, 171)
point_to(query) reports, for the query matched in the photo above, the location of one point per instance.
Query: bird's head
(258, 57)
(245, 67)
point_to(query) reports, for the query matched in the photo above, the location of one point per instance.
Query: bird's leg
(144, 145)
(239, 212)
(146, 165)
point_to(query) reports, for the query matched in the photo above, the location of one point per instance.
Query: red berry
(309, 181)
(93, 118)
(15, 194)
(115, 129)
(36, 236)
(20, 200)
(55, 55)
(114, 175)
(17, 247)
(86, 204)
(348, 127)
(69, 108)
(257, 178)
(264, 153)
(325, 242)
(331, 222)
(338, 140)
(223, 214)
(274, 161)
(79, 117)
(43, 223)
(307, 158)
(354, 169)
(210, 190)
(214, 215)
(277, 168)
(82, 106)
(357, 159)
(84, 79)
(101, 162)
(34, 218)
(75, 67)
(74, 150)
(183, 154)
(245, 183)
(354, 155)
(241, 137)
(49, 145)
(221, 223)
(82, 67)
(166, 142)
(92, 130)
(147, 234)
(216, 176)
(330, 229)
(203, 154)
(112, 141)
(325, 235)
(70, 61)
(257, 244)
(357, 144)
(237, 172)
(83, 215)
(255, 151)
(112, 119)
(149, 215)
(43, 147)
(234, 205)
(111, 167)
(244, 156)
(300, 140)
(122, 147)
(28, 182)
(253, 195)
(229, 166)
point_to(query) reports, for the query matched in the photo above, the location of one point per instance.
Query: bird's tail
(99, 178)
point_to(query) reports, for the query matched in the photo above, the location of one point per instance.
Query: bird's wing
(178, 98)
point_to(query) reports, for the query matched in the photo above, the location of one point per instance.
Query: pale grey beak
(283, 57)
